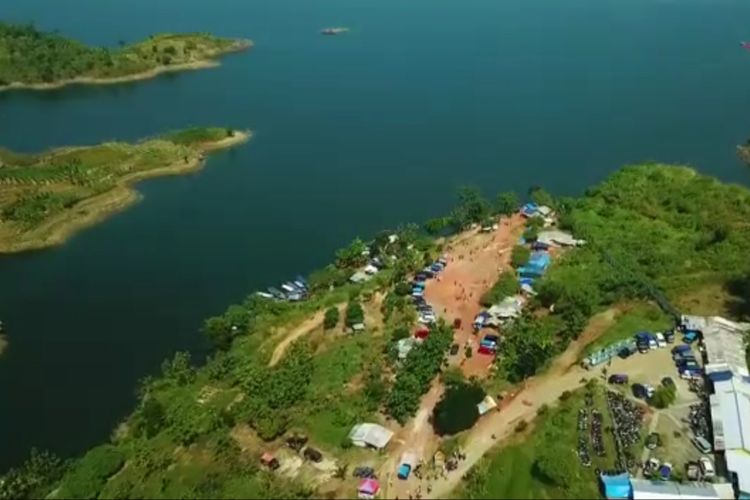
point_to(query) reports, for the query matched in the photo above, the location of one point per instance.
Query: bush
(402, 288)
(530, 234)
(506, 286)
(354, 314)
(520, 256)
(468, 352)
(521, 426)
(507, 203)
(331, 318)
(543, 410)
(89, 475)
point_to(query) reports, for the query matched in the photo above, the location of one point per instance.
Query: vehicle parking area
(675, 425)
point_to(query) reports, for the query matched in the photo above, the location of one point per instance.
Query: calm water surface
(353, 134)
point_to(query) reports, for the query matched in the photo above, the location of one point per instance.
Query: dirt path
(475, 261)
(303, 328)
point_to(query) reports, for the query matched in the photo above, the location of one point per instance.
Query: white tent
(374, 435)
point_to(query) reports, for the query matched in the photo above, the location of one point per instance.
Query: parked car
(653, 441)
(625, 352)
(312, 454)
(643, 391)
(668, 382)
(618, 378)
(652, 344)
(669, 336)
(692, 471)
(690, 336)
(681, 348)
(454, 349)
(707, 467)
(702, 444)
(660, 340)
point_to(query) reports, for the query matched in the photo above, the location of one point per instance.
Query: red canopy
(422, 333)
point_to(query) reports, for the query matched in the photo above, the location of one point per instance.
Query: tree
(354, 314)
(218, 330)
(331, 318)
(353, 255)
(457, 409)
(472, 207)
(520, 256)
(541, 197)
(375, 388)
(531, 234)
(437, 225)
(179, 369)
(528, 345)
(663, 397)
(507, 203)
(150, 418)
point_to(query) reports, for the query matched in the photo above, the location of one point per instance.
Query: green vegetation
(354, 314)
(32, 57)
(664, 396)
(331, 318)
(37, 190)
(88, 476)
(507, 203)
(506, 286)
(415, 376)
(457, 409)
(543, 463)
(639, 317)
(35, 478)
(520, 256)
(651, 230)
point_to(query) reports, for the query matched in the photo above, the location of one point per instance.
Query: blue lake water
(352, 134)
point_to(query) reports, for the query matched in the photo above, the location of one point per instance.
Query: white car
(660, 340)
(707, 468)
(652, 344)
(702, 444)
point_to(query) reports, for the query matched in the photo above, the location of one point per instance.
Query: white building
(727, 368)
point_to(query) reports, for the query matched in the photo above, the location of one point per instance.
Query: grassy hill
(44, 197)
(29, 57)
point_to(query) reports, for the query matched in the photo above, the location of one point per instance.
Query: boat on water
(745, 45)
(333, 31)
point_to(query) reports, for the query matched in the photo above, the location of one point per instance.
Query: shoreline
(89, 212)
(209, 62)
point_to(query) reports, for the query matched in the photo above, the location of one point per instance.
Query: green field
(31, 57)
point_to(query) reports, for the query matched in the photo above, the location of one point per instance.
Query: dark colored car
(454, 349)
(668, 382)
(618, 378)
(312, 454)
(669, 336)
(639, 391)
(625, 352)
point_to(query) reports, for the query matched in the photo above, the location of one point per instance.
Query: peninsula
(39, 60)
(381, 351)
(45, 198)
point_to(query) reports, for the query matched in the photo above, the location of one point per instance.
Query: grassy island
(38, 60)
(44, 198)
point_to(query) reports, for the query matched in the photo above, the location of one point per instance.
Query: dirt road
(303, 328)
(475, 261)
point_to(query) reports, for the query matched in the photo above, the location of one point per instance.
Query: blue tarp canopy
(540, 259)
(529, 209)
(529, 271)
(616, 486)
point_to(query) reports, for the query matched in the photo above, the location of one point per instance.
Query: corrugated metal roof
(738, 461)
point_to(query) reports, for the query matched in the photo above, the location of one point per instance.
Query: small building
(370, 435)
(657, 490)
(405, 346)
(370, 269)
(557, 238)
(358, 327)
(616, 487)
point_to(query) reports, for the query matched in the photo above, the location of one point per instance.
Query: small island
(47, 197)
(39, 60)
